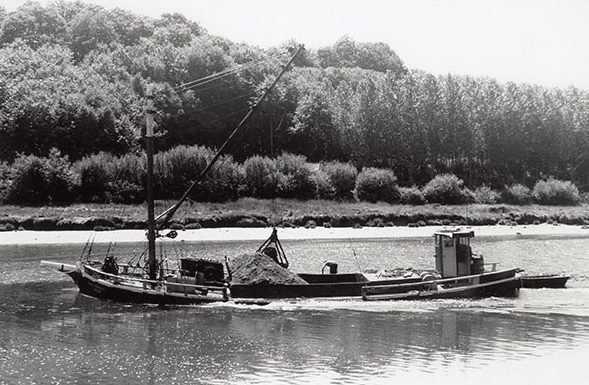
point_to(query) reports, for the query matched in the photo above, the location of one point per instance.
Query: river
(53, 335)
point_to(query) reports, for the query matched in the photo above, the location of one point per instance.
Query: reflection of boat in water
(552, 281)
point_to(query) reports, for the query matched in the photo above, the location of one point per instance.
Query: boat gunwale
(432, 293)
(444, 280)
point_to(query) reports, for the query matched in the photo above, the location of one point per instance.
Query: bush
(97, 173)
(221, 184)
(485, 195)
(35, 180)
(375, 184)
(516, 194)
(261, 177)
(294, 177)
(323, 187)
(128, 185)
(445, 189)
(411, 196)
(177, 168)
(556, 192)
(342, 176)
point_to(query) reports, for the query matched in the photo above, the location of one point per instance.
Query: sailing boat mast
(151, 260)
(167, 215)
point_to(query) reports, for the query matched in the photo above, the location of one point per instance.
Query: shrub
(411, 196)
(375, 184)
(35, 180)
(97, 173)
(177, 168)
(294, 177)
(342, 176)
(516, 194)
(261, 177)
(556, 192)
(128, 185)
(323, 186)
(445, 189)
(485, 195)
(221, 184)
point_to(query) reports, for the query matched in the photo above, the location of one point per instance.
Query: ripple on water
(68, 338)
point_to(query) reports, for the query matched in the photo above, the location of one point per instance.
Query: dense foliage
(445, 189)
(411, 196)
(517, 194)
(74, 77)
(485, 195)
(36, 181)
(556, 192)
(103, 178)
(375, 184)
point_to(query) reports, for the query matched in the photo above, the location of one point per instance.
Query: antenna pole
(151, 260)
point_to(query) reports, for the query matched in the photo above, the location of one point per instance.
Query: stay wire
(222, 74)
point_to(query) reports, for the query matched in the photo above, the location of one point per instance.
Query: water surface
(53, 335)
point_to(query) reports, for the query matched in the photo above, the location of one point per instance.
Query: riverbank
(259, 213)
(301, 233)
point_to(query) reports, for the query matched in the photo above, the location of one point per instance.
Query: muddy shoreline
(287, 213)
(98, 223)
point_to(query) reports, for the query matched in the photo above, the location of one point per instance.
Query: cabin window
(448, 243)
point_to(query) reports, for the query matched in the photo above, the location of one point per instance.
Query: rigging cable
(221, 74)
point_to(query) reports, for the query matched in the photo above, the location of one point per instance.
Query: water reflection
(51, 334)
(74, 338)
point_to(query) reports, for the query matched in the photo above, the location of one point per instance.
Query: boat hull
(320, 286)
(504, 283)
(545, 281)
(108, 289)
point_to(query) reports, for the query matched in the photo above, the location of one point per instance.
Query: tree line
(74, 77)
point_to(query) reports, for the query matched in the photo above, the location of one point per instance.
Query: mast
(151, 260)
(167, 215)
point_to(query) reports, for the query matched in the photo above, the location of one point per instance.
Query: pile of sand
(260, 269)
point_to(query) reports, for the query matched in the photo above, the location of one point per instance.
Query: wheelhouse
(453, 253)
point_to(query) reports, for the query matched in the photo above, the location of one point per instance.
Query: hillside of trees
(73, 77)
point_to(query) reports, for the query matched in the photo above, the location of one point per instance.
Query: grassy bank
(251, 212)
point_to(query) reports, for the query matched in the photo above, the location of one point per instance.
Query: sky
(542, 42)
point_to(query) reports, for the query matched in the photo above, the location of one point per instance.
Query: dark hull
(504, 283)
(312, 290)
(90, 286)
(504, 288)
(545, 281)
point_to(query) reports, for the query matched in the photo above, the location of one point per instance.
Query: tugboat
(461, 275)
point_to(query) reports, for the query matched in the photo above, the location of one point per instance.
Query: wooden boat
(152, 282)
(505, 283)
(93, 281)
(553, 281)
(318, 286)
(462, 276)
